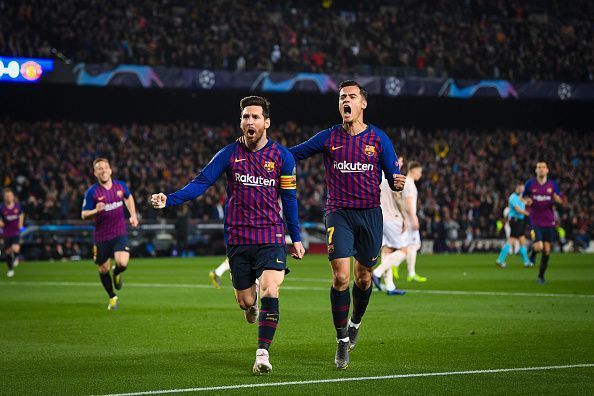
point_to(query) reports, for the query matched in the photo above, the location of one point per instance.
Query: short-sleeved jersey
(541, 211)
(513, 202)
(110, 222)
(10, 217)
(390, 211)
(353, 165)
(255, 182)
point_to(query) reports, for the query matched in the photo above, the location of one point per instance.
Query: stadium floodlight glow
(25, 70)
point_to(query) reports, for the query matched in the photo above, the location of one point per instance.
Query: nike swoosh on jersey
(279, 261)
(239, 159)
(100, 198)
(336, 148)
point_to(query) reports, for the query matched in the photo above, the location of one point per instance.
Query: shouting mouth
(347, 110)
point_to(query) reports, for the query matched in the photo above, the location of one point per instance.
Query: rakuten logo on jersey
(113, 205)
(350, 167)
(254, 181)
(541, 198)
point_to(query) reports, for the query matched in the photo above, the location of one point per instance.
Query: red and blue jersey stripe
(255, 182)
(10, 217)
(353, 165)
(110, 222)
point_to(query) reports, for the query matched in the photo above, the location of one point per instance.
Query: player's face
(102, 171)
(351, 104)
(542, 169)
(519, 189)
(416, 173)
(253, 124)
(9, 197)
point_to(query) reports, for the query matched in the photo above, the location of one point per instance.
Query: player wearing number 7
(258, 172)
(355, 153)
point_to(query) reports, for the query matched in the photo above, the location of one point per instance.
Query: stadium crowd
(468, 174)
(508, 39)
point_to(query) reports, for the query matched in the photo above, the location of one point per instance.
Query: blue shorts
(355, 233)
(544, 234)
(247, 262)
(103, 251)
(9, 241)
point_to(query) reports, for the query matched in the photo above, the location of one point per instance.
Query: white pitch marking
(325, 381)
(302, 288)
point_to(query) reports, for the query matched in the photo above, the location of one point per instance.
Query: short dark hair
(412, 165)
(353, 83)
(256, 101)
(97, 160)
(7, 190)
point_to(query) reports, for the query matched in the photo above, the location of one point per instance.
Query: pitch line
(298, 288)
(333, 380)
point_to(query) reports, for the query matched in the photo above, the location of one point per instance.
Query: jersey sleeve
(556, 188)
(388, 159)
(206, 178)
(527, 186)
(288, 187)
(88, 202)
(314, 145)
(125, 188)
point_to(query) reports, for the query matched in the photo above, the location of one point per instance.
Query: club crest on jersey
(369, 150)
(120, 193)
(549, 190)
(269, 165)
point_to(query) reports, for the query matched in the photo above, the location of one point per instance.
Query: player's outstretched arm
(314, 145)
(158, 201)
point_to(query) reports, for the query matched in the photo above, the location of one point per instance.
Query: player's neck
(355, 127)
(541, 180)
(259, 145)
(107, 185)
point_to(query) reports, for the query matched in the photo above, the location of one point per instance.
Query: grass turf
(175, 331)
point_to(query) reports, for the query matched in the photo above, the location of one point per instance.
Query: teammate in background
(105, 202)
(410, 194)
(12, 220)
(394, 238)
(517, 212)
(215, 275)
(258, 171)
(541, 194)
(355, 153)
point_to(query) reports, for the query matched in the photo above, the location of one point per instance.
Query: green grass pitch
(174, 331)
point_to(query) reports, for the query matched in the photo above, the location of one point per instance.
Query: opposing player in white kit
(394, 238)
(413, 236)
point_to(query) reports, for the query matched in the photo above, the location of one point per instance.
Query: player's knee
(269, 290)
(341, 280)
(245, 302)
(103, 269)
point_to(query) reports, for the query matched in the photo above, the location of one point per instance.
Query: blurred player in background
(394, 237)
(104, 201)
(355, 154)
(410, 194)
(12, 220)
(258, 171)
(215, 275)
(541, 194)
(516, 216)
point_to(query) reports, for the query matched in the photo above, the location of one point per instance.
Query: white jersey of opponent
(410, 190)
(390, 211)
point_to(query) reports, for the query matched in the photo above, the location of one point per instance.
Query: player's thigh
(517, 228)
(241, 265)
(121, 250)
(270, 260)
(368, 238)
(102, 252)
(340, 236)
(362, 272)
(15, 247)
(270, 282)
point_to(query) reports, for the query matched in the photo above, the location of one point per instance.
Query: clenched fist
(158, 200)
(399, 181)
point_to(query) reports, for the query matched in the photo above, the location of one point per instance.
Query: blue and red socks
(268, 321)
(341, 304)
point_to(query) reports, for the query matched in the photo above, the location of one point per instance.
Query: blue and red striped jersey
(541, 211)
(111, 222)
(10, 217)
(353, 165)
(255, 180)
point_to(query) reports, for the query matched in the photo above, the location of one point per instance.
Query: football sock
(10, 261)
(224, 266)
(503, 253)
(411, 260)
(118, 270)
(524, 255)
(106, 281)
(267, 322)
(544, 263)
(341, 303)
(360, 302)
(532, 255)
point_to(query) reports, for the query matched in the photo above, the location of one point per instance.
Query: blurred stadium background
(474, 90)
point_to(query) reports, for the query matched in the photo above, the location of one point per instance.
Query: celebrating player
(541, 194)
(105, 202)
(516, 214)
(12, 220)
(355, 153)
(258, 171)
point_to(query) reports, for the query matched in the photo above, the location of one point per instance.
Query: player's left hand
(134, 221)
(297, 250)
(399, 180)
